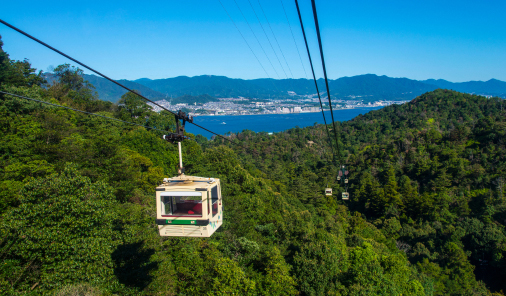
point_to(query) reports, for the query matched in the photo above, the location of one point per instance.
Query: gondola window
(181, 206)
(214, 200)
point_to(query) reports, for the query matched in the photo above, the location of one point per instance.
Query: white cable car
(345, 196)
(328, 191)
(189, 206)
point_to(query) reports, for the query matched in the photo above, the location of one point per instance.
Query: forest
(426, 214)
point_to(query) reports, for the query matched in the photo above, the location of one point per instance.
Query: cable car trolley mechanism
(187, 205)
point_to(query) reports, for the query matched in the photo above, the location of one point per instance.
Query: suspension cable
(325, 75)
(276, 39)
(293, 37)
(314, 77)
(256, 38)
(240, 33)
(266, 36)
(256, 57)
(113, 81)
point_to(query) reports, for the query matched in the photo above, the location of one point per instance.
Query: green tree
(132, 108)
(60, 234)
(70, 87)
(369, 273)
(391, 194)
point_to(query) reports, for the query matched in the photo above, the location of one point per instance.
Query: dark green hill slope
(430, 174)
(77, 210)
(426, 216)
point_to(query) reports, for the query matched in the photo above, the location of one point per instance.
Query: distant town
(252, 106)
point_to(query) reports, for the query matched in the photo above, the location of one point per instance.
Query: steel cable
(256, 38)
(293, 37)
(113, 81)
(276, 39)
(325, 75)
(265, 33)
(240, 33)
(314, 77)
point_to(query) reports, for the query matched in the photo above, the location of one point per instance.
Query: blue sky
(453, 40)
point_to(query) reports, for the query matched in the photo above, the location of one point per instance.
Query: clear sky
(453, 40)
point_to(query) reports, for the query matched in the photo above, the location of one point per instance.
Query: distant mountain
(201, 99)
(368, 87)
(372, 87)
(492, 87)
(109, 91)
(218, 86)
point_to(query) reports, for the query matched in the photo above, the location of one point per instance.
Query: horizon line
(423, 81)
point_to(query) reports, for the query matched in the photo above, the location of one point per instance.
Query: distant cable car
(328, 191)
(344, 172)
(187, 205)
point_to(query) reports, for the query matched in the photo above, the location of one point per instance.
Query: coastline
(326, 110)
(270, 123)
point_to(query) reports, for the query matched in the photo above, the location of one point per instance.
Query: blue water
(270, 123)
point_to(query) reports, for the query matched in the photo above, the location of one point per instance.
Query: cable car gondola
(343, 171)
(187, 205)
(328, 191)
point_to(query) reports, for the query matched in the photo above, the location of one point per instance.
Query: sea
(270, 123)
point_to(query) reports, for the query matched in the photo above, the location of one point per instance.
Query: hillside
(429, 174)
(426, 215)
(77, 210)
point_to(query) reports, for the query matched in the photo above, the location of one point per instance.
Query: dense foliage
(77, 207)
(430, 174)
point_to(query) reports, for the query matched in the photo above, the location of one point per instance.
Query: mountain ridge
(366, 87)
(492, 86)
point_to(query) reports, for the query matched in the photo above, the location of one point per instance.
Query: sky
(445, 39)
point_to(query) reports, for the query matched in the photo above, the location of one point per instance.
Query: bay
(271, 123)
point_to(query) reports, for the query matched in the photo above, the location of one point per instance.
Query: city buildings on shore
(243, 106)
